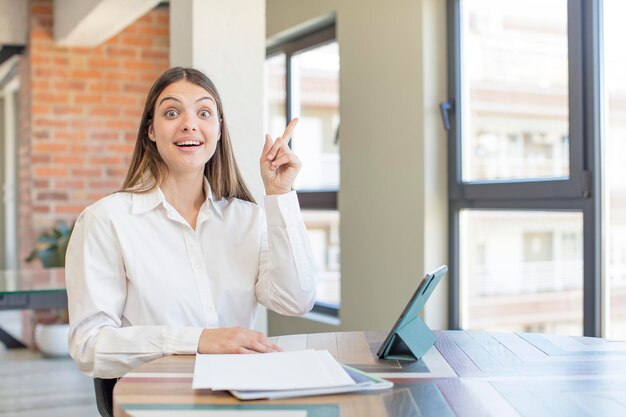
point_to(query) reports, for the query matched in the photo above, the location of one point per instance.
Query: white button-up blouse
(142, 283)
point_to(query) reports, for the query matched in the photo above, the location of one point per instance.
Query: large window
(524, 178)
(302, 80)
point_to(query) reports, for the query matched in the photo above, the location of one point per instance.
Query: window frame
(580, 192)
(9, 178)
(318, 199)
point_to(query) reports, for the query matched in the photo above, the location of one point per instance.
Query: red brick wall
(83, 107)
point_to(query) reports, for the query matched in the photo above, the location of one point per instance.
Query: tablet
(409, 337)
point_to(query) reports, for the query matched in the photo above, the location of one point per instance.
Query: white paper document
(269, 371)
(281, 375)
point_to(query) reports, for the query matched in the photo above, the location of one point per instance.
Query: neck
(186, 194)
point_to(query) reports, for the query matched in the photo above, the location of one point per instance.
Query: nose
(189, 123)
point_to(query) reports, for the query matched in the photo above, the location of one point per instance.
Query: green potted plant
(50, 326)
(53, 245)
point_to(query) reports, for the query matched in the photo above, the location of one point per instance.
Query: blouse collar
(144, 202)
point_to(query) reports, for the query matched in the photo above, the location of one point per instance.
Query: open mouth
(188, 143)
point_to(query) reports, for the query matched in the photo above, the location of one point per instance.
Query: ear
(151, 133)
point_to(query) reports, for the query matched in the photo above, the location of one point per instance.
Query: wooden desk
(473, 374)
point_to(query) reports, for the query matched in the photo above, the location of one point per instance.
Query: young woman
(176, 262)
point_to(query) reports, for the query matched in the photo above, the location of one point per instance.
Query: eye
(171, 113)
(204, 113)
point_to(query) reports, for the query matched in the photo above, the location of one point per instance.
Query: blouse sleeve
(287, 277)
(96, 289)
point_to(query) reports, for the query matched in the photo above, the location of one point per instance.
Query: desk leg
(9, 341)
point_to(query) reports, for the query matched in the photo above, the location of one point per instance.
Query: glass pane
(315, 89)
(522, 271)
(323, 228)
(615, 148)
(514, 69)
(275, 81)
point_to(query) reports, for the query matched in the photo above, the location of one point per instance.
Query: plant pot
(51, 339)
(51, 258)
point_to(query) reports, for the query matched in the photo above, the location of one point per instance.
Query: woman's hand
(235, 340)
(279, 165)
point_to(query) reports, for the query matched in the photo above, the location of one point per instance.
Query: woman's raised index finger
(267, 145)
(289, 130)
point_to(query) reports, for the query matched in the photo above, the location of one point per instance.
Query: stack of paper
(280, 375)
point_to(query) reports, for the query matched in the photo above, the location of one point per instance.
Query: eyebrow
(175, 99)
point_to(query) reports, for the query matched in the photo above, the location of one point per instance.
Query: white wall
(393, 154)
(13, 25)
(226, 40)
(287, 17)
(232, 54)
(88, 23)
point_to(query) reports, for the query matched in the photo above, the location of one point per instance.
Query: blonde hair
(147, 169)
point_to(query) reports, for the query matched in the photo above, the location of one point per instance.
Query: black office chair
(104, 395)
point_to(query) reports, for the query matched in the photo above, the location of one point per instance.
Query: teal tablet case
(410, 338)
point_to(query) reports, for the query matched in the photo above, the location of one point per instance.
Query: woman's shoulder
(237, 205)
(113, 205)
